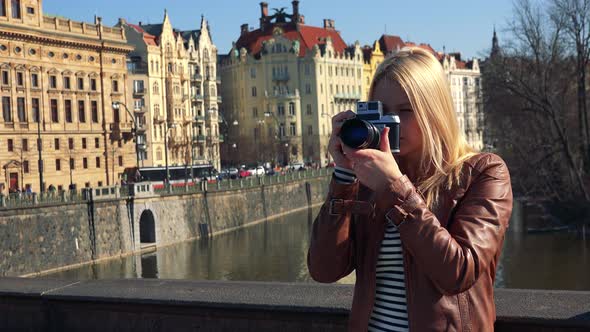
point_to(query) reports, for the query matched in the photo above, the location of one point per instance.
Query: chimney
(302, 19)
(122, 21)
(139, 22)
(295, 4)
(263, 9)
(328, 24)
(244, 29)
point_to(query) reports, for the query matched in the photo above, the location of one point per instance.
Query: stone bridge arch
(147, 227)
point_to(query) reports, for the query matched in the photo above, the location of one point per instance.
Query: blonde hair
(444, 147)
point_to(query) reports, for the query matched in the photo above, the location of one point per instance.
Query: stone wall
(40, 239)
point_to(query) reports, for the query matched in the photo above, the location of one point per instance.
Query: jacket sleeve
(454, 258)
(331, 250)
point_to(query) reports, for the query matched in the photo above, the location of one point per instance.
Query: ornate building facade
(58, 80)
(173, 85)
(464, 79)
(287, 79)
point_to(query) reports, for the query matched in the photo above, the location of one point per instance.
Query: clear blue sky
(460, 25)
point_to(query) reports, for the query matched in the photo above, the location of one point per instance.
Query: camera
(364, 130)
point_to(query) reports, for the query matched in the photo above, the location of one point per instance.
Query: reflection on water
(276, 251)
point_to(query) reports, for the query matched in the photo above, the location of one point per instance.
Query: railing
(147, 189)
(197, 77)
(199, 138)
(139, 92)
(198, 97)
(280, 76)
(354, 96)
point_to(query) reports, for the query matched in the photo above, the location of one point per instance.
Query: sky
(459, 25)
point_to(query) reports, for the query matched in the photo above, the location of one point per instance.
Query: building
(285, 80)
(464, 78)
(173, 85)
(59, 79)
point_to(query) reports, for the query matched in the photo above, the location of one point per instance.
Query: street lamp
(117, 105)
(168, 127)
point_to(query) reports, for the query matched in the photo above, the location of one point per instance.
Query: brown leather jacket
(450, 253)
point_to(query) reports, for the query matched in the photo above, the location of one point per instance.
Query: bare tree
(528, 95)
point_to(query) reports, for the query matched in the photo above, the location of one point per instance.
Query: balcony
(121, 127)
(139, 109)
(199, 138)
(141, 127)
(199, 118)
(221, 139)
(198, 97)
(138, 92)
(197, 77)
(280, 77)
(284, 95)
(347, 96)
(158, 118)
(219, 99)
(218, 79)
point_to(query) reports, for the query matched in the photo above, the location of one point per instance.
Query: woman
(423, 230)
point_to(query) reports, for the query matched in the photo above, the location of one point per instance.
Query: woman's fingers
(338, 120)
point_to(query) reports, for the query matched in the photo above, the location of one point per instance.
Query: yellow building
(282, 83)
(58, 80)
(173, 85)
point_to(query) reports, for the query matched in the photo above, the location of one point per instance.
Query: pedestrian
(422, 229)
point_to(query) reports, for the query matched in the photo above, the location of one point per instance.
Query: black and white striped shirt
(390, 310)
(390, 307)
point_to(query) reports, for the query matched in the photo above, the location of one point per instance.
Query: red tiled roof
(149, 39)
(390, 43)
(307, 36)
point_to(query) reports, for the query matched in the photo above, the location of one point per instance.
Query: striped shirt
(390, 307)
(390, 310)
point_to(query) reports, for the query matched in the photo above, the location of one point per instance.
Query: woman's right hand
(335, 144)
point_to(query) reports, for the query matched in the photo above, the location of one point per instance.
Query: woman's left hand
(376, 169)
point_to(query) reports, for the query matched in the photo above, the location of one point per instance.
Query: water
(276, 251)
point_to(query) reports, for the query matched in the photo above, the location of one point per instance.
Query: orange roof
(390, 43)
(147, 38)
(308, 37)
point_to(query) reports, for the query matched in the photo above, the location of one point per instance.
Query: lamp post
(168, 127)
(117, 105)
(277, 133)
(39, 149)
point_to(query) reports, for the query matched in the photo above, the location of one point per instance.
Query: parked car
(257, 171)
(233, 173)
(244, 173)
(297, 166)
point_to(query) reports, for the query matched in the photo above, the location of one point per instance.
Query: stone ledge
(246, 306)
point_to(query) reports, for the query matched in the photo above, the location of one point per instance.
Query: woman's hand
(376, 169)
(335, 145)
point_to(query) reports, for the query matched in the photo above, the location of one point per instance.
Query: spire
(495, 45)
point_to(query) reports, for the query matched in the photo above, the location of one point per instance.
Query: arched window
(156, 88)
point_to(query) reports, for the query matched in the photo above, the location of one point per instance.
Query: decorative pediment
(81, 74)
(66, 73)
(20, 68)
(116, 77)
(5, 66)
(34, 69)
(93, 75)
(53, 71)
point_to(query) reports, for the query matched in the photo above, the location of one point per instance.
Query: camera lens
(359, 134)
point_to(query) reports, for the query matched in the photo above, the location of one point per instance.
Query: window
(25, 143)
(93, 84)
(291, 108)
(138, 86)
(35, 80)
(156, 88)
(292, 130)
(30, 10)
(26, 166)
(281, 109)
(56, 143)
(253, 91)
(68, 110)
(81, 111)
(83, 142)
(307, 71)
(71, 143)
(94, 110)
(308, 110)
(281, 130)
(120, 160)
(97, 142)
(115, 86)
(53, 82)
(255, 112)
(72, 163)
(85, 163)
(97, 162)
(256, 133)
(10, 145)
(2, 8)
(5, 77)
(20, 108)
(308, 88)
(310, 130)
(58, 164)
(252, 72)
(6, 109)
(80, 83)
(20, 79)
(54, 115)
(15, 6)
(67, 83)
(35, 109)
